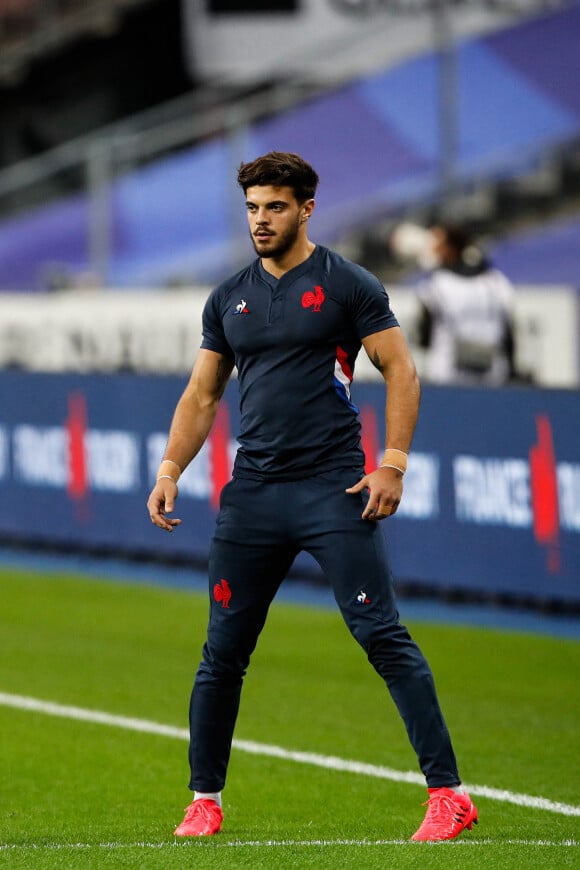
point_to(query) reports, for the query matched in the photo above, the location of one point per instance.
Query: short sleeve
(370, 310)
(213, 335)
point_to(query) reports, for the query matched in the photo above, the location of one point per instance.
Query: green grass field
(81, 794)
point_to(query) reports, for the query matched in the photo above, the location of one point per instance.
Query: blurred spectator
(13, 7)
(465, 321)
(17, 19)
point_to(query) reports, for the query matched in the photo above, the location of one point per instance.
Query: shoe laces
(197, 808)
(440, 806)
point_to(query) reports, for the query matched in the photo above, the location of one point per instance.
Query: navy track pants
(260, 529)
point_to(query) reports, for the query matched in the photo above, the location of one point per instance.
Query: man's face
(275, 219)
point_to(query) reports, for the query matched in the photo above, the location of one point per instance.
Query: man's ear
(307, 209)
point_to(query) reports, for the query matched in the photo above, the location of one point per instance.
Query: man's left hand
(385, 486)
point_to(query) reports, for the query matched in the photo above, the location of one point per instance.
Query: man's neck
(279, 266)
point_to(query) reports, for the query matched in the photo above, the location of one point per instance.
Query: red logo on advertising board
(369, 437)
(219, 459)
(544, 493)
(76, 427)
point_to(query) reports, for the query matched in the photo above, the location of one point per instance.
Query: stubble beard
(282, 243)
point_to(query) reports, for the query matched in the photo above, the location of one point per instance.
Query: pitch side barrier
(157, 332)
(492, 493)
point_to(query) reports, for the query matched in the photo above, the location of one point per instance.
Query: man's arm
(192, 421)
(389, 353)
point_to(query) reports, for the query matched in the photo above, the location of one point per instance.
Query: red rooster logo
(223, 593)
(316, 298)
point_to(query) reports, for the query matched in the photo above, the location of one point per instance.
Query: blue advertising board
(492, 492)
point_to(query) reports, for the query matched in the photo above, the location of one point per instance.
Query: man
(293, 322)
(466, 313)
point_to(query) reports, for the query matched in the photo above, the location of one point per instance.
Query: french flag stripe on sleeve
(343, 377)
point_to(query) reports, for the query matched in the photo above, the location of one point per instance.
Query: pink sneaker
(448, 814)
(203, 818)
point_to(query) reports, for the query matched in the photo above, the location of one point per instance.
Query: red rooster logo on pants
(223, 593)
(315, 298)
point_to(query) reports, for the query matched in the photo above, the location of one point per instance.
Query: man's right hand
(161, 502)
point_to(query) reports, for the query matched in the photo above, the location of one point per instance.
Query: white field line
(237, 844)
(329, 762)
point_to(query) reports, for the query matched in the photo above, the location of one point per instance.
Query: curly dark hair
(280, 169)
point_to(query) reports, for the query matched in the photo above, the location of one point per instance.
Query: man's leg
(249, 559)
(353, 555)
(352, 552)
(243, 582)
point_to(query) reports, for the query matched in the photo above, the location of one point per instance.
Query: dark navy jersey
(294, 342)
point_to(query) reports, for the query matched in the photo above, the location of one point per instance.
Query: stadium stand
(518, 110)
(546, 255)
